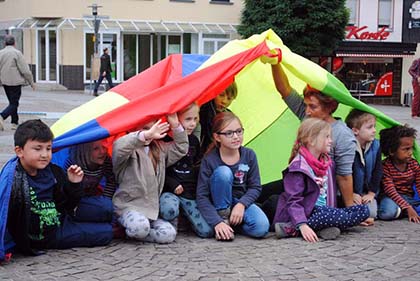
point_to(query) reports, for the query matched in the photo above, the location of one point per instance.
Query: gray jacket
(139, 184)
(14, 70)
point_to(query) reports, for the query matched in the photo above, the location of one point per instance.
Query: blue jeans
(255, 222)
(388, 209)
(94, 209)
(13, 94)
(108, 77)
(169, 210)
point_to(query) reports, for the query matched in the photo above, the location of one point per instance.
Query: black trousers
(108, 78)
(13, 94)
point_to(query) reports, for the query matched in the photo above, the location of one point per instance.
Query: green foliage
(307, 27)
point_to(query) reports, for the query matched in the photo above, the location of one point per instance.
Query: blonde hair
(185, 109)
(221, 121)
(308, 131)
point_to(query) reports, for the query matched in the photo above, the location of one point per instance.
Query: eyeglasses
(229, 134)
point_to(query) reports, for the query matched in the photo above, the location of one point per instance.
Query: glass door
(46, 59)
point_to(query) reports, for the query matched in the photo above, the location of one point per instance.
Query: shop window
(385, 13)
(365, 76)
(353, 6)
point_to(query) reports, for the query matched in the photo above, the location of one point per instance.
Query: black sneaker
(329, 233)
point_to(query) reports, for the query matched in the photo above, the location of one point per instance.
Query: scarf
(319, 166)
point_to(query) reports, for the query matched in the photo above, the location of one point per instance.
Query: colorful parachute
(179, 80)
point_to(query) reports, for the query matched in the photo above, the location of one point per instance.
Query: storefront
(61, 49)
(370, 66)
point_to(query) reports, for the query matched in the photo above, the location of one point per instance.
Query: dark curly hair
(390, 138)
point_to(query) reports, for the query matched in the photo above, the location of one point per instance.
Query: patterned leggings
(139, 227)
(323, 217)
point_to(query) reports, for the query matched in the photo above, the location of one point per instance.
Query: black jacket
(105, 64)
(66, 196)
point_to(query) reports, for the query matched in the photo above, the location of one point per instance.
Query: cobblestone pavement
(386, 251)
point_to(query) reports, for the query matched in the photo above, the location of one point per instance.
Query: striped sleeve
(389, 185)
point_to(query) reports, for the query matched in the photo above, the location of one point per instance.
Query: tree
(307, 27)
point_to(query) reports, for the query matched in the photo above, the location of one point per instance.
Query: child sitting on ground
(96, 202)
(209, 110)
(181, 179)
(367, 165)
(140, 160)
(401, 172)
(229, 183)
(43, 199)
(308, 182)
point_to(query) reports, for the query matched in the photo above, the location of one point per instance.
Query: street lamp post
(96, 24)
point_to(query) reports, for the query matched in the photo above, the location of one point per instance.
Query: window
(226, 2)
(385, 13)
(353, 6)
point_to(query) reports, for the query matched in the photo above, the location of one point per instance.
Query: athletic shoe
(398, 213)
(1, 124)
(14, 126)
(225, 215)
(285, 229)
(329, 233)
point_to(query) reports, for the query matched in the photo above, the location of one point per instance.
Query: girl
(140, 160)
(229, 182)
(181, 179)
(96, 204)
(308, 183)
(401, 174)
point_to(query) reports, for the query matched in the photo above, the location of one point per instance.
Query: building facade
(57, 37)
(371, 60)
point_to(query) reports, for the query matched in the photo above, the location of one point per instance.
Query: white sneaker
(1, 124)
(14, 126)
(398, 213)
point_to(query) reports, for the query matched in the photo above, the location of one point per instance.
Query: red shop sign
(362, 34)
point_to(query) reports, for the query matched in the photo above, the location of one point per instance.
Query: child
(181, 179)
(140, 160)
(367, 165)
(96, 203)
(43, 199)
(401, 173)
(229, 183)
(210, 109)
(305, 205)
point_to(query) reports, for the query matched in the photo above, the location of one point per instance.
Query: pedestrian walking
(14, 72)
(104, 72)
(415, 73)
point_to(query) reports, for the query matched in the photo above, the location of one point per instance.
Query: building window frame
(389, 26)
(354, 9)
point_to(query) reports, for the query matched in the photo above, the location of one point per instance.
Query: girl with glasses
(229, 183)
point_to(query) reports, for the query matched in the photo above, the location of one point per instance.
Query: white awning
(148, 26)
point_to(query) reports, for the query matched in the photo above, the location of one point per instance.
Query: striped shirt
(396, 182)
(100, 181)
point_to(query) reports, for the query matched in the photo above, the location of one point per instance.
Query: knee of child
(136, 224)
(166, 235)
(223, 173)
(169, 206)
(261, 227)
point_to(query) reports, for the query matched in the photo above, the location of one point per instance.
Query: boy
(367, 165)
(209, 110)
(43, 199)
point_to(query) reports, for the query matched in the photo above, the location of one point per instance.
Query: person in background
(209, 110)
(104, 71)
(14, 72)
(414, 71)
